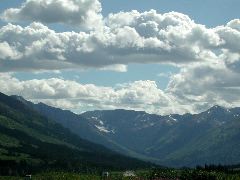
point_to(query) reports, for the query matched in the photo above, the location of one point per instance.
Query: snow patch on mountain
(102, 129)
(170, 116)
(99, 124)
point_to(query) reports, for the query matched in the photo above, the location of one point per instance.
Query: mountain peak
(216, 109)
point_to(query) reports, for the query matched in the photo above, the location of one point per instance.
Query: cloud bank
(73, 95)
(215, 85)
(125, 37)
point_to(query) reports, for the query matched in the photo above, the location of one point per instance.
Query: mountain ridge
(31, 142)
(170, 140)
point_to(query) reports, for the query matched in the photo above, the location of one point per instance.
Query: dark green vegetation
(199, 173)
(30, 142)
(211, 137)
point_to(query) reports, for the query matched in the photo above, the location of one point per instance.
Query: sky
(163, 57)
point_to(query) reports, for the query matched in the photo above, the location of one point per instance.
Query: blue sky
(171, 76)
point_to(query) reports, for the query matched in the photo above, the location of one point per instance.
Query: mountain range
(44, 136)
(210, 137)
(30, 141)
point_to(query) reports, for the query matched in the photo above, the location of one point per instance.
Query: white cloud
(86, 13)
(125, 37)
(203, 86)
(146, 37)
(116, 68)
(75, 96)
(235, 24)
(8, 52)
(194, 89)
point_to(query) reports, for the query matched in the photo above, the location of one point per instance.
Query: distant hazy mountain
(209, 137)
(212, 136)
(30, 141)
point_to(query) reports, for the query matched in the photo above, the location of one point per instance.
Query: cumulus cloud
(76, 96)
(234, 24)
(73, 12)
(193, 90)
(202, 86)
(127, 37)
(7, 52)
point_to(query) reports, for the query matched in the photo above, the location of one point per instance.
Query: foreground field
(159, 174)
